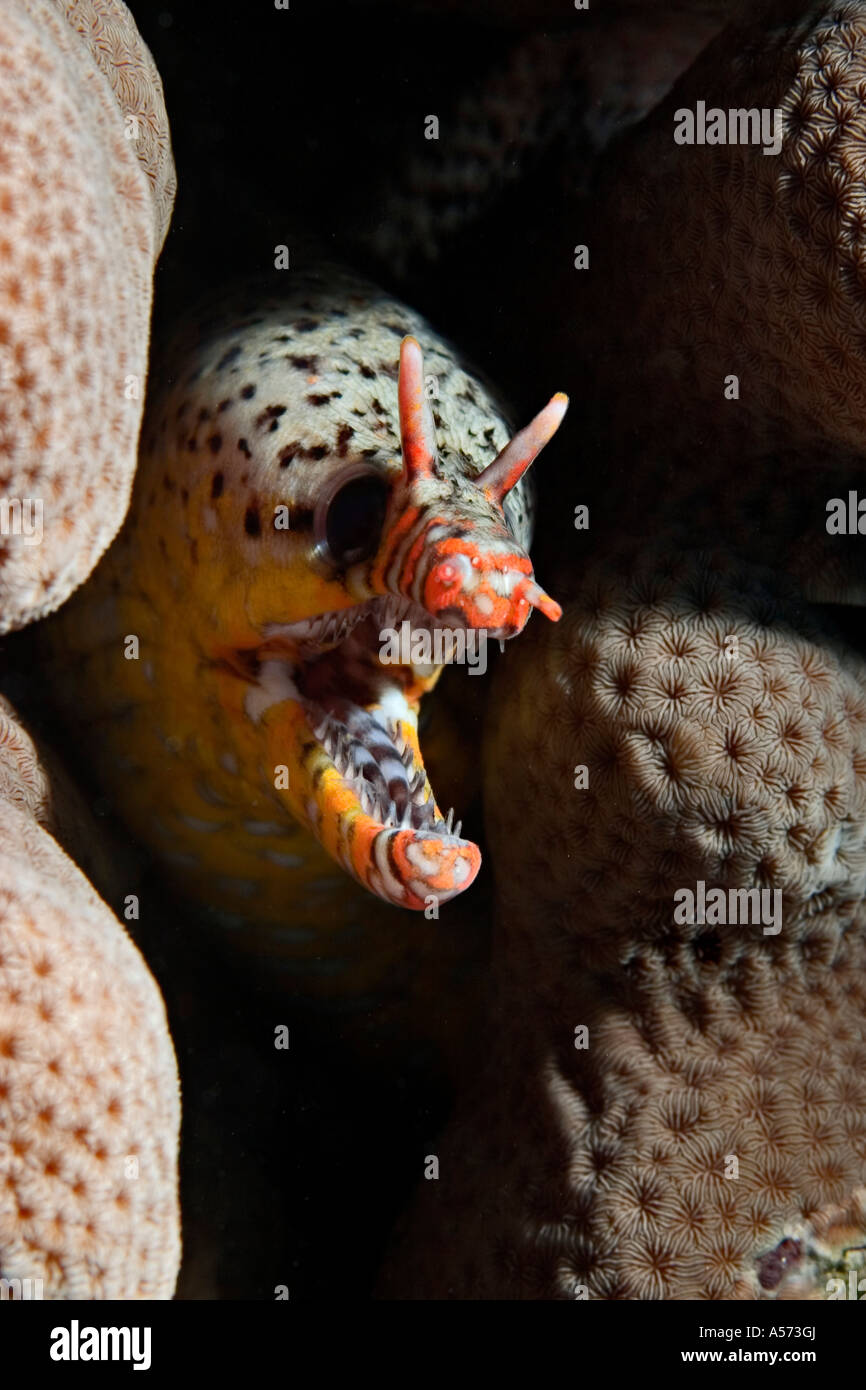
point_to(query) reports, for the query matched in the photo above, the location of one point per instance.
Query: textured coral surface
(82, 221)
(720, 720)
(89, 1105)
(605, 1166)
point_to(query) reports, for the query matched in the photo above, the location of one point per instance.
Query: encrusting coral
(706, 1043)
(89, 1106)
(86, 188)
(693, 723)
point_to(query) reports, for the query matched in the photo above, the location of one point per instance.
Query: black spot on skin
(184, 495)
(303, 364)
(396, 329)
(389, 369)
(286, 454)
(215, 442)
(489, 433)
(252, 522)
(281, 338)
(275, 425)
(367, 371)
(320, 398)
(369, 453)
(167, 483)
(300, 519)
(204, 414)
(344, 434)
(245, 448)
(358, 410)
(272, 412)
(318, 451)
(229, 357)
(216, 486)
(377, 405)
(248, 392)
(437, 419)
(224, 405)
(306, 325)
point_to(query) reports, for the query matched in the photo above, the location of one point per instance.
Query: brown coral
(607, 1169)
(717, 1115)
(714, 262)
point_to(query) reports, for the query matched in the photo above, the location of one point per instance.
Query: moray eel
(308, 484)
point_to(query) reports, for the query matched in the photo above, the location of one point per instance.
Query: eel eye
(351, 527)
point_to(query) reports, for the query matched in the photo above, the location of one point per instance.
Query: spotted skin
(209, 662)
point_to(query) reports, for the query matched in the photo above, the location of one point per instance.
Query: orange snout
(494, 592)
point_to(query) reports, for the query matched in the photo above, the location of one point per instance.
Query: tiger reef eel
(227, 667)
(671, 1104)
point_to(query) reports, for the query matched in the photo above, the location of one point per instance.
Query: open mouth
(439, 549)
(367, 796)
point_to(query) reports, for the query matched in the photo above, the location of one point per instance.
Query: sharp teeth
(449, 820)
(391, 817)
(457, 828)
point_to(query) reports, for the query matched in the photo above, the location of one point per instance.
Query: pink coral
(89, 1105)
(86, 185)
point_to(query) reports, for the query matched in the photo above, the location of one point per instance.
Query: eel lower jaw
(391, 835)
(359, 779)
